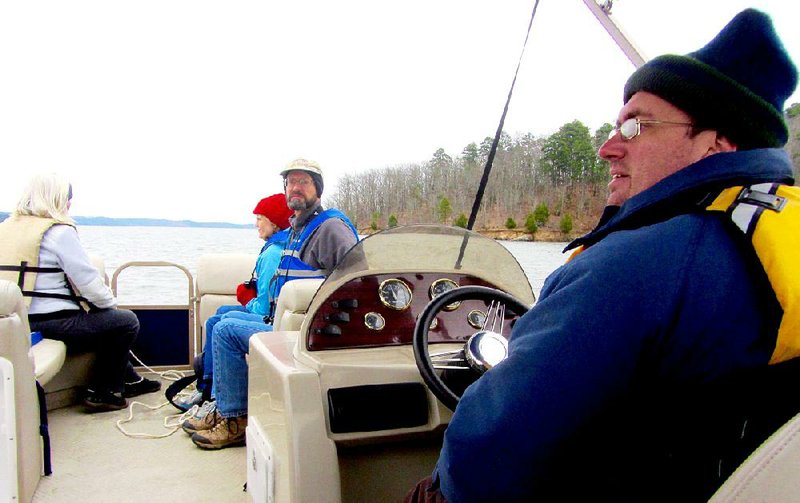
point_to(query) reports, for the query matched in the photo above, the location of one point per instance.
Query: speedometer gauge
(441, 286)
(395, 294)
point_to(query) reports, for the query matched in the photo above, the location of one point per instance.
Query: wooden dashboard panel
(340, 322)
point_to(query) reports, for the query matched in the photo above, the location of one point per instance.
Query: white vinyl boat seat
(48, 362)
(15, 345)
(218, 275)
(770, 473)
(293, 303)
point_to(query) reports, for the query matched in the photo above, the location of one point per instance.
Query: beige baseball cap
(302, 165)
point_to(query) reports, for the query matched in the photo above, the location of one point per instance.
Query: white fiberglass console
(338, 410)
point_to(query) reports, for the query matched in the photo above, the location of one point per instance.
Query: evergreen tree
(470, 154)
(569, 155)
(541, 214)
(444, 210)
(566, 223)
(530, 223)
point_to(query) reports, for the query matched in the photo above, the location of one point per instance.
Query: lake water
(185, 245)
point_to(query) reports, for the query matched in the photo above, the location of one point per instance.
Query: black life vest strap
(47, 295)
(44, 430)
(24, 268)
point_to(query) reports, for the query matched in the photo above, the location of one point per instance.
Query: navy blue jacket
(592, 401)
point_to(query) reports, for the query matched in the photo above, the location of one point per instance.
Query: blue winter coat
(666, 298)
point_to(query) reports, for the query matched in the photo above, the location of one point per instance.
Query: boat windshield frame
(432, 248)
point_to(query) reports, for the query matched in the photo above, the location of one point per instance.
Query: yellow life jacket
(769, 215)
(20, 241)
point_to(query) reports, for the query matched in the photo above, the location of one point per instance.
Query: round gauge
(395, 293)
(441, 286)
(374, 321)
(476, 318)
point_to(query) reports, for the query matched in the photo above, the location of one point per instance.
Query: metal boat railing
(162, 334)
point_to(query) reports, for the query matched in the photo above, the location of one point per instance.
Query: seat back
(769, 473)
(218, 275)
(293, 303)
(15, 342)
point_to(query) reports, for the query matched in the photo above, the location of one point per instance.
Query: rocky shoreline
(503, 234)
(545, 235)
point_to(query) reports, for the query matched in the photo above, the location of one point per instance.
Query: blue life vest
(290, 266)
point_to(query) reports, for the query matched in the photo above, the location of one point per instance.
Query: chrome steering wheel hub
(484, 350)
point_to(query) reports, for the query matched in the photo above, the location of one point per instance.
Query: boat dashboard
(376, 295)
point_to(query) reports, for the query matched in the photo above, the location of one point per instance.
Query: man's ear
(715, 143)
(722, 144)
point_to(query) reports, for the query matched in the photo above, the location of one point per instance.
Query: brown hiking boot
(228, 431)
(205, 418)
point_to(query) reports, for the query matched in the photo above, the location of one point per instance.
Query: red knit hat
(274, 207)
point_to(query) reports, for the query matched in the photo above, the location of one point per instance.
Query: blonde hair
(47, 195)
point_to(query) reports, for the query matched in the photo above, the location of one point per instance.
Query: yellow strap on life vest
(769, 214)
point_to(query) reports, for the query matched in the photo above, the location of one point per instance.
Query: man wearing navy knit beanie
(642, 372)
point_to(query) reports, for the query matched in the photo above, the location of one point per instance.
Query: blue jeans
(208, 349)
(231, 344)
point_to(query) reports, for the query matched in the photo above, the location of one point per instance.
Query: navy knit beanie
(737, 84)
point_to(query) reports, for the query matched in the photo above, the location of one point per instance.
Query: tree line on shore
(556, 182)
(535, 182)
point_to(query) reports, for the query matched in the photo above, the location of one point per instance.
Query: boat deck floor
(94, 461)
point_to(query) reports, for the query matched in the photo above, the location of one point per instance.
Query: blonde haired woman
(40, 251)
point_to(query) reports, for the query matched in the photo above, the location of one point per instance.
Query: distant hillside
(147, 222)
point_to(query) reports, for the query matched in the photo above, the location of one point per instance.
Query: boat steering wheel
(483, 350)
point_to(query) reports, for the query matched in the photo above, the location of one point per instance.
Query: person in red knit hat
(272, 222)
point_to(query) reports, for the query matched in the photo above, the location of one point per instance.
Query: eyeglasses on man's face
(631, 128)
(298, 182)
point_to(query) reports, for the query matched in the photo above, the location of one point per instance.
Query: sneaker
(140, 387)
(205, 418)
(186, 402)
(228, 432)
(103, 401)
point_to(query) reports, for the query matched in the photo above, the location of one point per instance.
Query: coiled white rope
(172, 422)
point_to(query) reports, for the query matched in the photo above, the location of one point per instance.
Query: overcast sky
(189, 109)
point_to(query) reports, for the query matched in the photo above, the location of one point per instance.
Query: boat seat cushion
(221, 273)
(218, 275)
(770, 473)
(293, 303)
(48, 358)
(15, 344)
